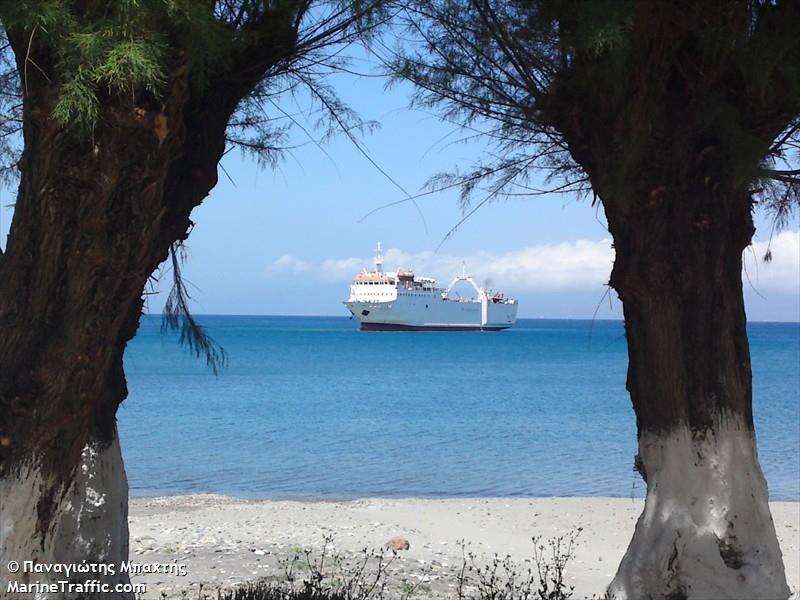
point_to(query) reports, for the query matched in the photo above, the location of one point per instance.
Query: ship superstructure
(401, 300)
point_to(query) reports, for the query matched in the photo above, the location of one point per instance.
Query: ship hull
(406, 327)
(432, 313)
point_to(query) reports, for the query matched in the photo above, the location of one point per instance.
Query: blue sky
(288, 241)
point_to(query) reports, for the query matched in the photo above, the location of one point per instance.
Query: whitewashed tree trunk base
(89, 523)
(706, 531)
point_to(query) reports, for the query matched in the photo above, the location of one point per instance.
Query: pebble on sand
(397, 543)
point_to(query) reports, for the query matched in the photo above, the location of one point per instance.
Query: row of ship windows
(390, 294)
(377, 283)
(384, 283)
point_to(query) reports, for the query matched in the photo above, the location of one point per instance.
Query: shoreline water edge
(224, 541)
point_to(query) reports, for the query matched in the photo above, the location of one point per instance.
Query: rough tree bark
(93, 219)
(706, 531)
(673, 159)
(680, 219)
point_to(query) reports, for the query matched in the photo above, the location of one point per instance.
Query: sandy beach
(224, 541)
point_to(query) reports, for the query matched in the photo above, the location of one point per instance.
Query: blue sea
(310, 407)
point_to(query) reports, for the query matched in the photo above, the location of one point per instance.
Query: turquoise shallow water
(310, 407)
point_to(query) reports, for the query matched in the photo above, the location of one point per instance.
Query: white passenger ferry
(402, 301)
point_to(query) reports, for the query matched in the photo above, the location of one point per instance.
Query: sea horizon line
(347, 318)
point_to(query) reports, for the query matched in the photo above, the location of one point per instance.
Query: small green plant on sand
(504, 579)
(368, 575)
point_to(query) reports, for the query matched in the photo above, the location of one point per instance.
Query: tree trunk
(88, 230)
(706, 530)
(93, 219)
(95, 216)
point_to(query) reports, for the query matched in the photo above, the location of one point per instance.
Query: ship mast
(379, 259)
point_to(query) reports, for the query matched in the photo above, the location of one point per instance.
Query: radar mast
(379, 259)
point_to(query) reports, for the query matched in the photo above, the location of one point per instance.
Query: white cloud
(580, 264)
(342, 268)
(782, 273)
(289, 263)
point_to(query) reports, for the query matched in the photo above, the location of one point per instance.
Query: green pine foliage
(122, 48)
(660, 84)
